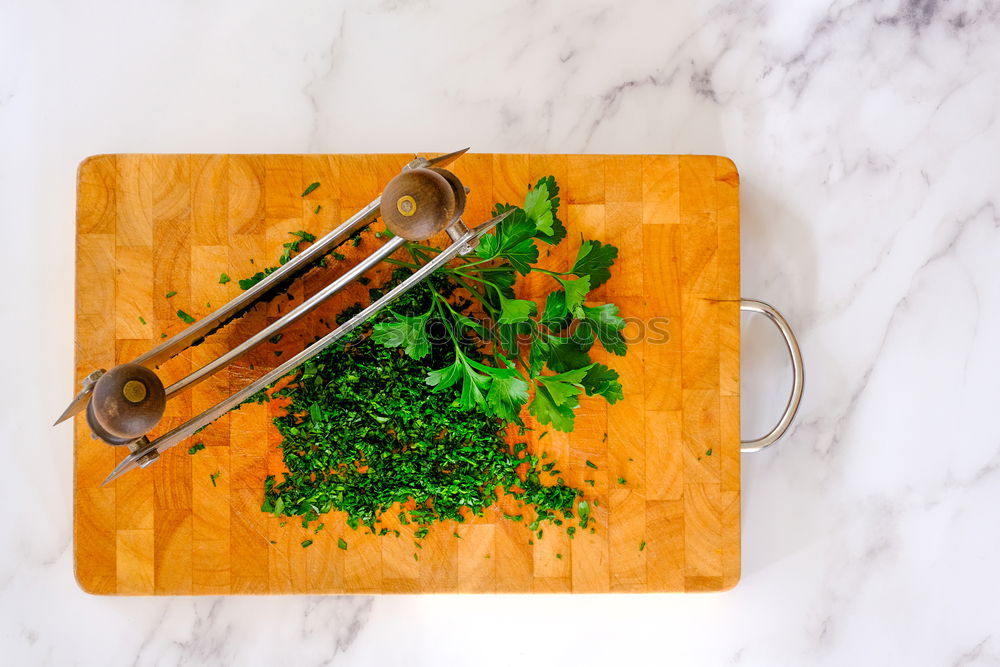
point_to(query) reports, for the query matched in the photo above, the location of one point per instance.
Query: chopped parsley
(196, 447)
(184, 316)
(312, 186)
(392, 418)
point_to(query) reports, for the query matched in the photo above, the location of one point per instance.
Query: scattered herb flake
(621, 480)
(196, 447)
(642, 545)
(709, 452)
(306, 543)
(215, 476)
(170, 294)
(312, 186)
(591, 464)
(318, 207)
(223, 279)
(342, 543)
(184, 316)
(142, 320)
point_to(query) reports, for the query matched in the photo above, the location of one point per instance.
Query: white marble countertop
(868, 139)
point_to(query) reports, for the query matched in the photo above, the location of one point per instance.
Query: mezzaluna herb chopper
(126, 403)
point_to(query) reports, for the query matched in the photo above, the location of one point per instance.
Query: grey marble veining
(867, 138)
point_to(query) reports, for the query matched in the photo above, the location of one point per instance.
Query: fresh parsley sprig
(519, 350)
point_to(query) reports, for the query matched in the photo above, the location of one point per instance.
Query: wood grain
(667, 489)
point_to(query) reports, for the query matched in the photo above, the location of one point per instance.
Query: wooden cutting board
(151, 224)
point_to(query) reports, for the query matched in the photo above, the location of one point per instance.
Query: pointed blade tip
(448, 158)
(64, 416)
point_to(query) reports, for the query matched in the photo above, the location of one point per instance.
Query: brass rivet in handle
(134, 391)
(406, 205)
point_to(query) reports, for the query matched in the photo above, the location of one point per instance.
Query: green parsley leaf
(556, 398)
(312, 186)
(342, 543)
(223, 279)
(603, 381)
(709, 452)
(215, 477)
(556, 315)
(196, 447)
(306, 543)
(318, 207)
(538, 209)
(604, 322)
(642, 545)
(474, 385)
(591, 464)
(142, 320)
(565, 354)
(511, 240)
(558, 229)
(513, 311)
(594, 260)
(564, 387)
(410, 333)
(170, 294)
(576, 293)
(506, 397)
(184, 316)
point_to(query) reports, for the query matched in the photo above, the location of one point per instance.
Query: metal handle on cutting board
(798, 376)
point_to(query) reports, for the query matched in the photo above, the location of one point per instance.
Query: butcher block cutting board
(148, 225)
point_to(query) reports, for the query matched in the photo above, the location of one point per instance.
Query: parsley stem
(423, 247)
(554, 274)
(398, 262)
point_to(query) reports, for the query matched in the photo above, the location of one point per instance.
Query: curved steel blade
(447, 158)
